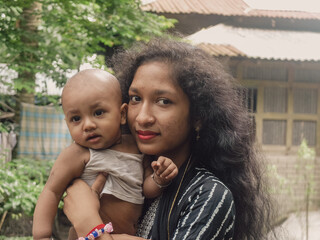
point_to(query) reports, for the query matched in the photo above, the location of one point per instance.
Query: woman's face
(158, 113)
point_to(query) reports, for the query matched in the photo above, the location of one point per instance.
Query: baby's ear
(123, 111)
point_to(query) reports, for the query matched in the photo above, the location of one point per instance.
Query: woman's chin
(149, 150)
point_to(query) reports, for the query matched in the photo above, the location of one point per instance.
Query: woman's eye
(98, 113)
(164, 101)
(75, 119)
(135, 99)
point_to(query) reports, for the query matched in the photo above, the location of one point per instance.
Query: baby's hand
(164, 171)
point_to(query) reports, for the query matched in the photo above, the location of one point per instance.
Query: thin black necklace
(175, 197)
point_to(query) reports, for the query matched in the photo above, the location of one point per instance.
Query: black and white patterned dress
(203, 210)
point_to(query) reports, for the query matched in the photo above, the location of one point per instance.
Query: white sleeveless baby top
(125, 173)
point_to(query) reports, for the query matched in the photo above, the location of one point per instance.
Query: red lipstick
(146, 135)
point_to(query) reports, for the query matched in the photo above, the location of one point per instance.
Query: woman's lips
(146, 135)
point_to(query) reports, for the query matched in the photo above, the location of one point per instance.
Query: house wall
(289, 183)
(292, 107)
(192, 22)
(283, 99)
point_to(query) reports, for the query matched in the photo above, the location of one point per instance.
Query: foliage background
(21, 182)
(50, 37)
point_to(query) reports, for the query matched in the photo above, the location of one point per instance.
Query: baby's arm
(158, 176)
(69, 165)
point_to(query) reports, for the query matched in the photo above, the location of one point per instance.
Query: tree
(306, 175)
(50, 37)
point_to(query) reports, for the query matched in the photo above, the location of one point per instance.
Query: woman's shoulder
(207, 178)
(206, 185)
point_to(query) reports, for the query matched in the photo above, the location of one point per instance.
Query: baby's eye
(98, 113)
(135, 99)
(75, 119)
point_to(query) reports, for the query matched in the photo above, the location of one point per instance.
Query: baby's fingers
(164, 163)
(155, 166)
(170, 172)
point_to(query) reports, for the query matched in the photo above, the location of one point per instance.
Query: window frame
(289, 116)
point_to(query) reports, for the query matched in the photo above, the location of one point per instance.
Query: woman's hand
(81, 205)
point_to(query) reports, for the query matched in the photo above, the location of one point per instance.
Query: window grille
(274, 132)
(249, 97)
(272, 73)
(305, 100)
(307, 75)
(304, 130)
(275, 99)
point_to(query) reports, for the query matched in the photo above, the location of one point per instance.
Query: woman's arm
(81, 205)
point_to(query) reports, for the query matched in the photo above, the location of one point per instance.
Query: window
(305, 100)
(304, 130)
(274, 132)
(283, 101)
(275, 99)
(265, 72)
(249, 96)
(307, 75)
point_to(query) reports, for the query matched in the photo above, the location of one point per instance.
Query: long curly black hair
(226, 146)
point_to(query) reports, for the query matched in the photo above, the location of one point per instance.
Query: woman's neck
(181, 157)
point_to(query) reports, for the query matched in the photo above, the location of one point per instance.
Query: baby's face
(93, 113)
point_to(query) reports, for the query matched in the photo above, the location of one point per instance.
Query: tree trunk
(26, 78)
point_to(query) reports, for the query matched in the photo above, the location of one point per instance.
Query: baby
(94, 113)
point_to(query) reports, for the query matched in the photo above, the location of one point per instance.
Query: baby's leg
(123, 215)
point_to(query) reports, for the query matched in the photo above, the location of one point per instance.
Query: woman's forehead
(155, 72)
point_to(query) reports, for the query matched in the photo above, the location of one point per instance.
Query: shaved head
(93, 78)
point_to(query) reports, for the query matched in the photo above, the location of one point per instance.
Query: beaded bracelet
(98, 232)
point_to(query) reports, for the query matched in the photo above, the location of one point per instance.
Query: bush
(21, 182)
(15, 238)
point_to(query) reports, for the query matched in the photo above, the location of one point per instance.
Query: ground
(294, 228)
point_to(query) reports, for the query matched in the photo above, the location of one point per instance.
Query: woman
(184, 106)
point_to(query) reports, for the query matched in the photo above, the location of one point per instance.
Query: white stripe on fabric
(190, 211)
(201, 211)
(213, 215)
(225, 218)
(211, 176)
(191, 207)
(231, 225)
(187, 190)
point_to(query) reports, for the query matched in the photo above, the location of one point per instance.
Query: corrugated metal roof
(220, 50)
(284, 14)
(260, 43)
(222, 7)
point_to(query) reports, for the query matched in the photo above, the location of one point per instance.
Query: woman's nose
(145, 116)
(88, 124)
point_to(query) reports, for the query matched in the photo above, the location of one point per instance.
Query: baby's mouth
(92, 137)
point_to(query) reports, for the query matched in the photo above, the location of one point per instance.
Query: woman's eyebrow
(132, 89)
(155, 92)
(161, 92)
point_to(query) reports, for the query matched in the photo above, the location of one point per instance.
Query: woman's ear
(123, 111)
(197, 125)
